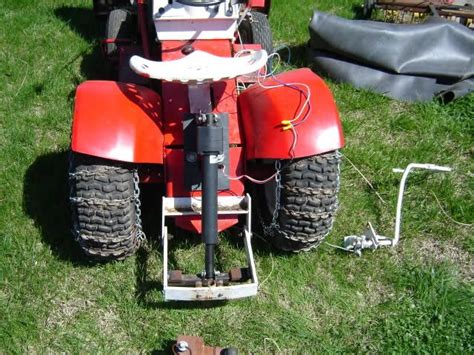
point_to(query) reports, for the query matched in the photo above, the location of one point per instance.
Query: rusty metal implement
(410, 11)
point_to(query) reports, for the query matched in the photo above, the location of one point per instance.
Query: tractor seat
(200, 67)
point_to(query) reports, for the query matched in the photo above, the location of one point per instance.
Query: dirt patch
(107, 320)
(428, 250)
(64, 312)
(397, 107)
(377, 292)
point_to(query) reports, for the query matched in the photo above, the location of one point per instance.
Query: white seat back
(200, 67)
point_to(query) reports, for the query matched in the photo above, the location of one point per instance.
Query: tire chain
(315, 242)
(308, 244)
(269, 230)
(81, 238)
(138, 211)
(314, 215)
(310, 191)
(91, 201)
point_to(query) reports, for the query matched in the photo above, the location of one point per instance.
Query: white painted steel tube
(401, 191)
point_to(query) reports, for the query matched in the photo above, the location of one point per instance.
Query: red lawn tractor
(196, 108)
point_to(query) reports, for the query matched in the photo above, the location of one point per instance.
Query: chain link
(277, 192)
(141, 237)
(72, 176)
(75, 201)
(306, 243)
(273, 226)
(90, 173)
(101, 202)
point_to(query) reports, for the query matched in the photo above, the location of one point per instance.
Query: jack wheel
(104, 212)
(308, 202)
(255, 29)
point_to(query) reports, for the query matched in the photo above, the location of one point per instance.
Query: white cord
(242, 17)
(448, 216)
(305, 104)
(240, 177)
(295, 141)
(305, 107)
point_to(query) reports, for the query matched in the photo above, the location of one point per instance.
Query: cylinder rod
(210, 261)
(209, 211)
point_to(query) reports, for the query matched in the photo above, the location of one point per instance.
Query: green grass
(417, 298)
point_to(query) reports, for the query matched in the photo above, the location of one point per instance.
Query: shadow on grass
(167, 349)
(358, 11)
(83, 22)
(295, 55)
(45, 199)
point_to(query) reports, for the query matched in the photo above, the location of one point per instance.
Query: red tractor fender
(119, 121)
(262, 111)
(260, 5)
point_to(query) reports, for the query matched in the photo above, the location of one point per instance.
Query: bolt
(188, 49)
(191, 157)
(202, 118)
(182, 346)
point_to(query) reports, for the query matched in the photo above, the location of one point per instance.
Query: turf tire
(255, 29)
(118, 26)
(103, 208)
(308, 200)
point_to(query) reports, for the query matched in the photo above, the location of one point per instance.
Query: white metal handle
(424, 166)
(401, 191)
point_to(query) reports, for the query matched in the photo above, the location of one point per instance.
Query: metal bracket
(192, 174)
(369, 240)
(227, 205)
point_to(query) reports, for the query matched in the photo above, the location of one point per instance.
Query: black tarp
(409, 62)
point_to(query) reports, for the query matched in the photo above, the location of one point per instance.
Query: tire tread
(104, 230)
(308, 202)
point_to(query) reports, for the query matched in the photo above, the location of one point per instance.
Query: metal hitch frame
(192, 206)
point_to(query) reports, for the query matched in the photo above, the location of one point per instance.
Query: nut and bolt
(191, 157)
(188, 49)
(182, 346)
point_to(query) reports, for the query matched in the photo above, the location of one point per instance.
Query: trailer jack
(370, 239)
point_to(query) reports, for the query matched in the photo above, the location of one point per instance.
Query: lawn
(416, 298)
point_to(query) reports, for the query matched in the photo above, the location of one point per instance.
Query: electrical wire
(447, 215)
(293, 86)
(303, 111)
(256, 181)
(305, 107)
(284, 46)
